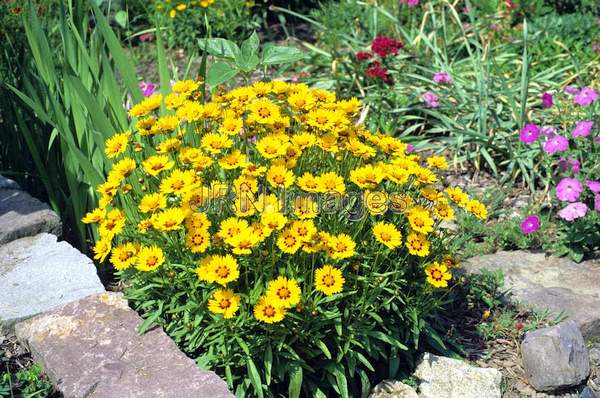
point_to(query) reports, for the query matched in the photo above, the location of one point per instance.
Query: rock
(555, 357)
(90, 348)
(38, 273)
(587, 393)
(442, 377)
(393, 389)
(594, 354)
(7, 183)
(548, 282)
(22, 215)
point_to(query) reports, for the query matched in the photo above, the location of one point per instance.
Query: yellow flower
(152, 202)
(232, 161)
(265, 311)
(225, 302)
(280, 177)
(244, 242)
(308, 182)
(417, 244)
(215, 143)
(157, 163)
(102, 248)
(270, 147)
(231, 126)
(147, 105)
(420, 220)
(451, 262)
(123, 168)
(306, 207)
(304, 229)
(252, 170)
(273, 220)
(304, 140)
(288, 242)
(457, 196)
(263, 111)
(185, 87)
(223, 269)
(283, 292)
(95, 216)
(387, 234)
(330, 183)
(172, 13)
(444, 211)
(198, 221)
(168, 220)
(123, 256)
(477, 208)
(437, 274)
(329, 280)
(376, 202)
(113, 224)
(340, 247)
(149, 258)
(368, 176)
(117, 144)
(197, 239)
(167, 124)
(439, 162)
(179, 182)
(231, 227)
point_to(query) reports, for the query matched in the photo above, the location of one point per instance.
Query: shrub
(274, 239)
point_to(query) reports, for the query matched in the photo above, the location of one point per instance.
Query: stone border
(84, 337)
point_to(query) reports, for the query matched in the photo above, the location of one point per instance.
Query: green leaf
(324, 348)
(149, 322)
(254, 377)
(385, 338)
(268, 364)
(341, 382)
(247, 59)
(222, 48)
(295, 386)
(281, 55)
(219, 73)
(121, 18)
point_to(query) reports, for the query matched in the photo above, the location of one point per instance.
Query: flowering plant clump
(378, 60)
(571, 148)
(276, 240)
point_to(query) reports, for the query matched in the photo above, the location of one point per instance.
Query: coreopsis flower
(123, 255)
(152, 202)
(555, 144)
(477, 208)
(437, 275)
(284, 292)
(95, 216)
(420, 220)
(340, 247)
(573, 211)
(547, 100)
(149, 258)
(568, 189)
(329, 280)
(417, 244)
(442, 78)
(530, 133)
(582, 129)
(586, 96)
(224, 301)
(387, 234)
(265, 311)
(117, 144)
(384, 46)
(157, 163)
(530, 224)
(102, 248)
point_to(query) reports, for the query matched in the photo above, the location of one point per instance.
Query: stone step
(547, 282)
(90, 348)
(7, 183)
(23, 215)
(38, 273)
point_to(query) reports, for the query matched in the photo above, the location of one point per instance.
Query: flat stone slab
(38, 273)
(548, 282)
(22, 215)
(90, 348)
(7, 183)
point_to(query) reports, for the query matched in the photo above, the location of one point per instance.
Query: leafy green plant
(27, 383)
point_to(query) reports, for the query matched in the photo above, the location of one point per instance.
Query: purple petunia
(558, 143)
(569, 165)
(586, 96)
(568, 189)
(549, 131)
(431, 100)
(442, 78)
(530, 224)
(583, 128)
(593, 186)
(573, 211)
(530, 133)
(547, 100)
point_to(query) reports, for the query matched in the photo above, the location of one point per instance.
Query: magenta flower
(555, 144)
(410, 148)
(530, 224)
(147, 88)
(410, 3)
(442, 78)
(583, 128)
(384, 46)
(568, 189)
(363, 55)
(431, 100)
(586, 96)
(569, 165)
(597, 202)
(573, 211)
(572, 89)
(547, 100)
(530, 133)
(549, 131)
(594, 186)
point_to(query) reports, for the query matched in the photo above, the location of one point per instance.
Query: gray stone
(587, 393)
(594, 354)
(7, 183)
(393, 389)
(441, 377)
(90, 348)
(555, 357)
(38, 273)
(548, 282)
(22, 215)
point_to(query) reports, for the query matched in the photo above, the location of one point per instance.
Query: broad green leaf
(295, 386)
(219, 73)
(220, 48)
(254, 377)
(281, 55)
(121, 18)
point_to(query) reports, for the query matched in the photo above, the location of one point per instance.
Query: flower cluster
(383, 47)
(251, 150)
(182, 6)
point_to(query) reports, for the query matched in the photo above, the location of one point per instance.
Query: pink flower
(147, 88)
(410, 3)
(530, 224)
(379, 72)
(549, 131)
(597, 202)
(530, 133)
(547, 100)
(568, 189)
(410, 148)
(572, 89)
(594, 186)
(570, 165)
(363, 55)
(384, 46)
(573, 211)
(431, 100)
(583, 128)
(558, 143)
(586, 96)
(442, 78)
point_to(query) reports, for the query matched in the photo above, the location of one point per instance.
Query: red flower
(363, 55)
(379, 72)
(520, 325)
(384, 46)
